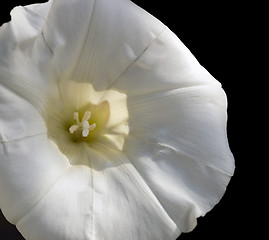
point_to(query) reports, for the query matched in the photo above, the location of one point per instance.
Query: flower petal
(24, 55)
(177, 123)
(128, 209)
(183, 155)
(85, 203)
(19, 119)
(65, 211)
(166, 64)
(28, 168)
(102, 42)
(26, 23)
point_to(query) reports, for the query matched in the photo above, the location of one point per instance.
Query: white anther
(85, 132)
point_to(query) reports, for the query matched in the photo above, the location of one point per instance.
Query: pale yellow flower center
(83, 120)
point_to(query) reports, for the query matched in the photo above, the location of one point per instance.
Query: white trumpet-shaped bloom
(109, 127)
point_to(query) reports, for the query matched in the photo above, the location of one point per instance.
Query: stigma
(82, 126)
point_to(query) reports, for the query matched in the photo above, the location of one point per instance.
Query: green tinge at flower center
(93, 121)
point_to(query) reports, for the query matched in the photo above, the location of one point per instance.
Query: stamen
(92, 127)
(73, 128)
(86, 116)
(84, 127)
(76, 117)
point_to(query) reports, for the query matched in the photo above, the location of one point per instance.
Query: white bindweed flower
(109, 127)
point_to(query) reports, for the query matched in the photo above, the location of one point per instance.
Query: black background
(213, 34)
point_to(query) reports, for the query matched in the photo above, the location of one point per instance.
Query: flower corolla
(109, 126)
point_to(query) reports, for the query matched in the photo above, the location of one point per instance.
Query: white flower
(109, 127)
